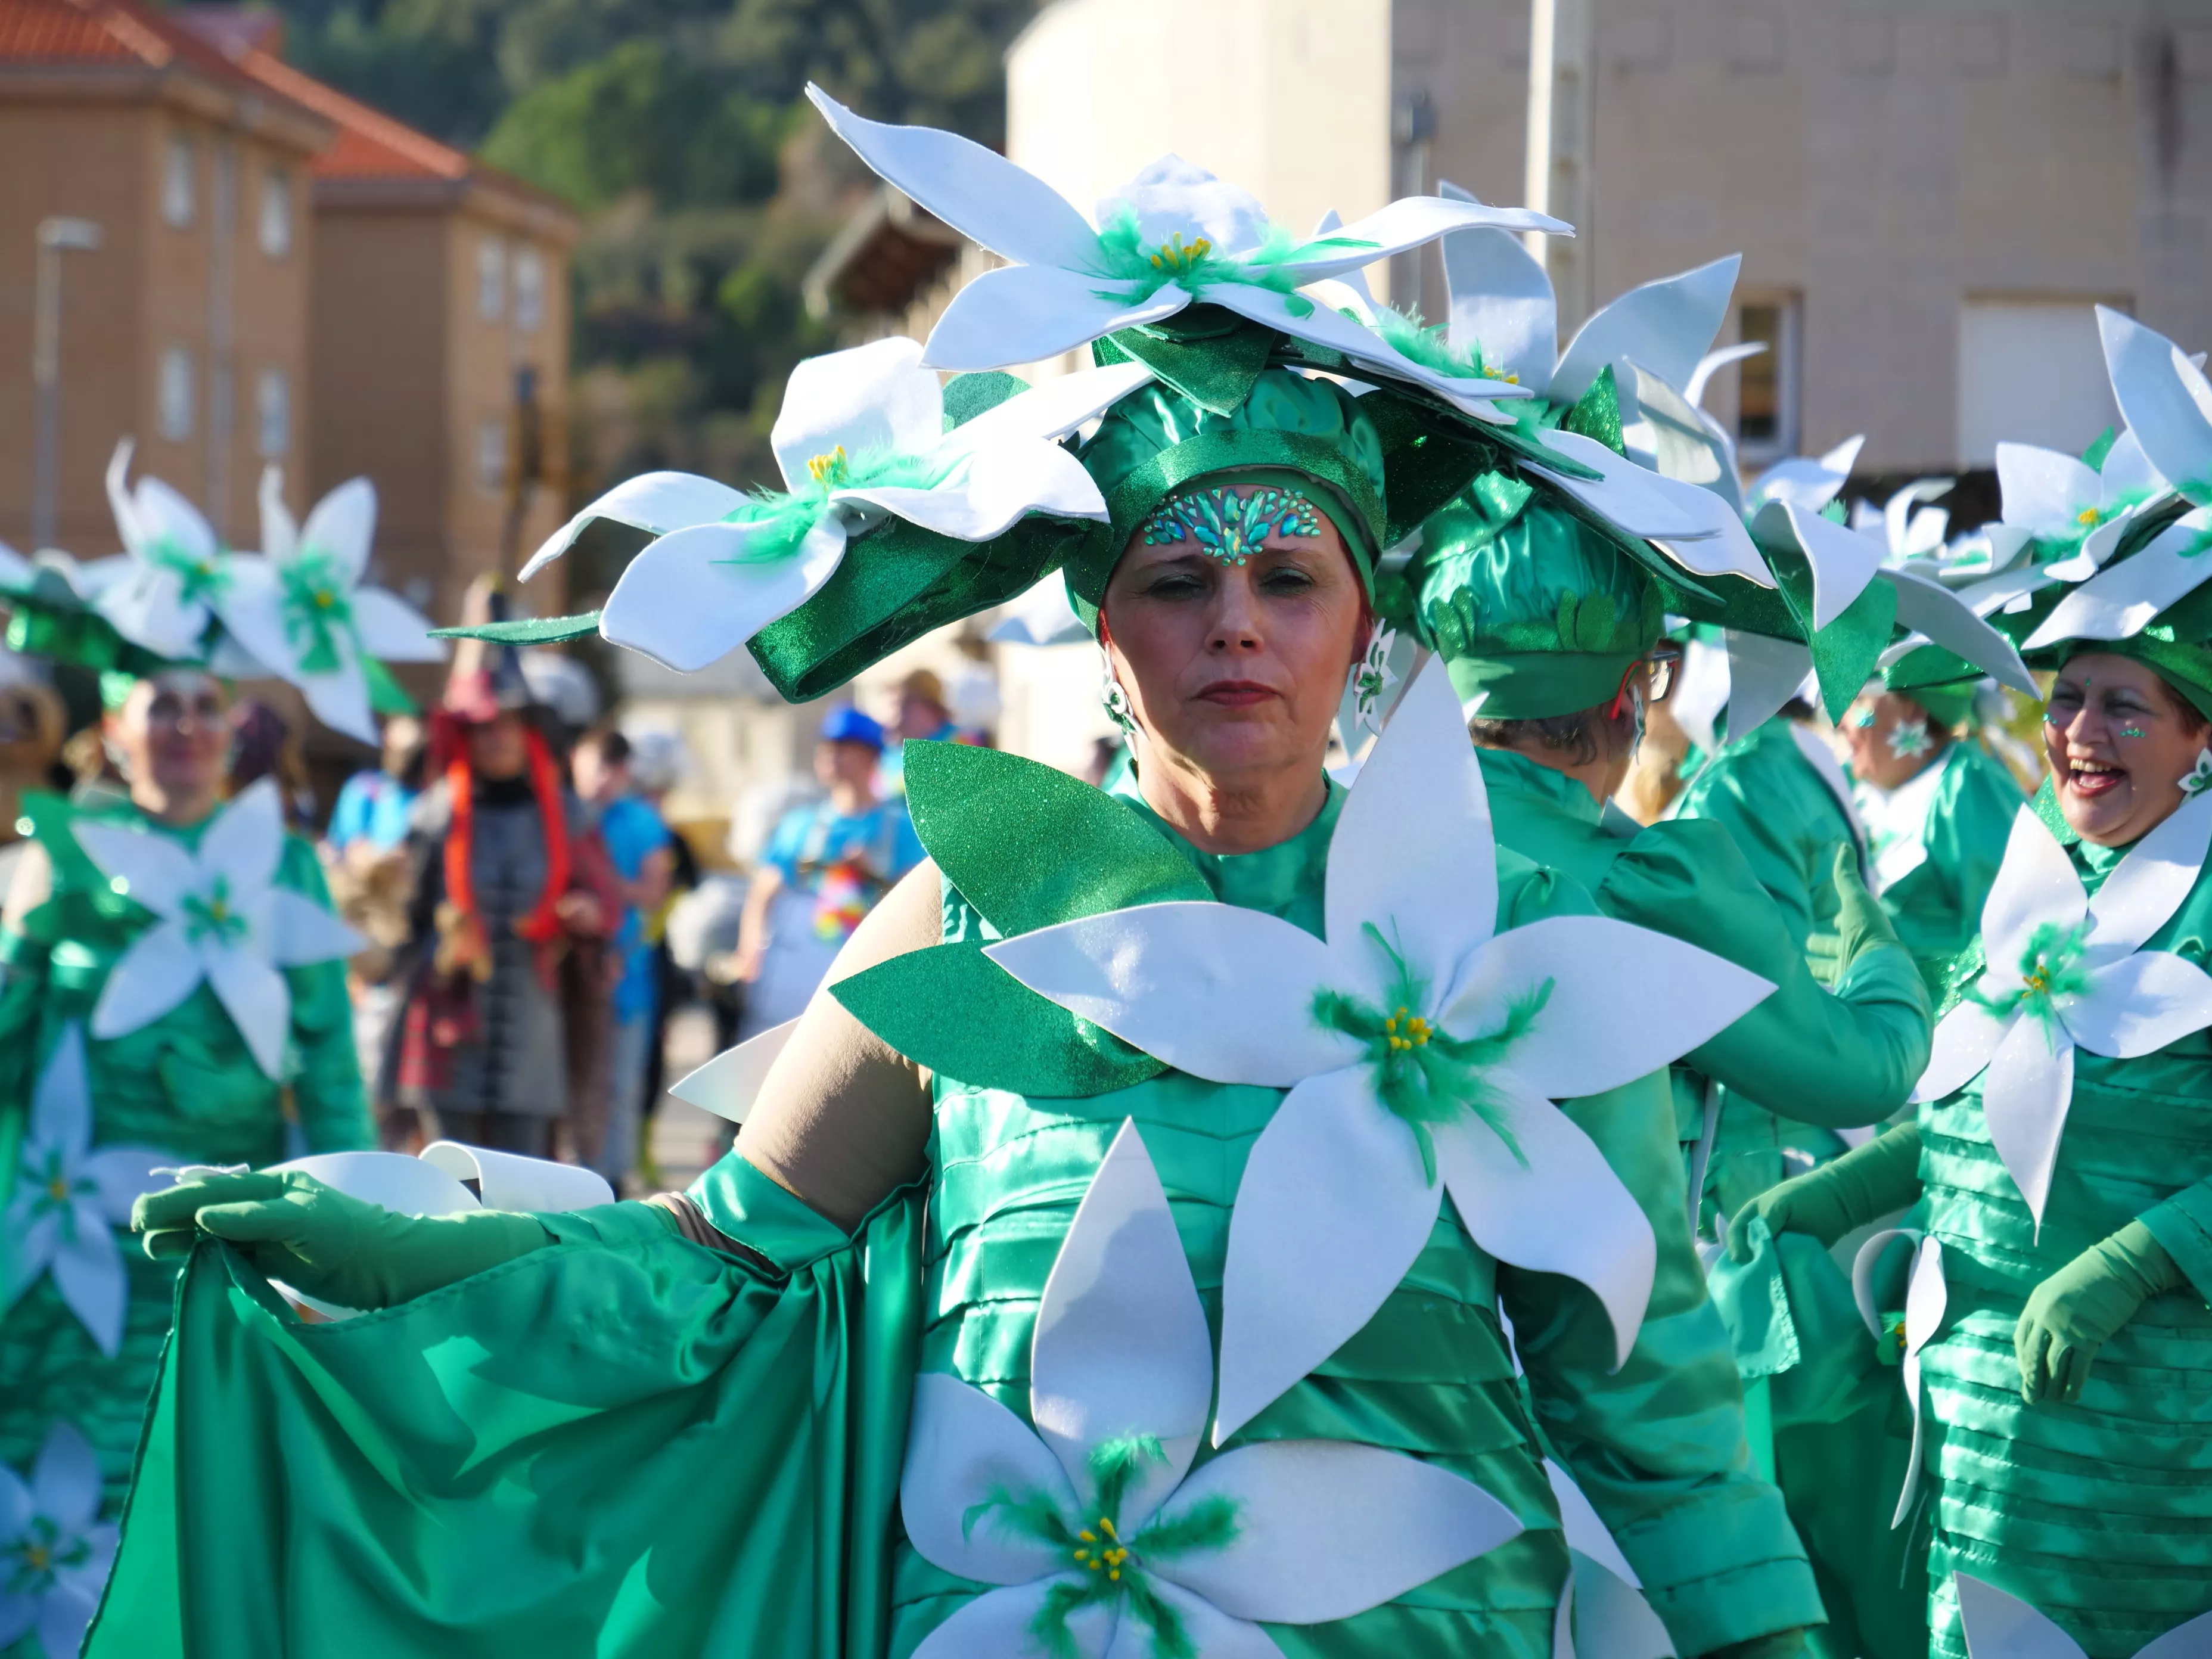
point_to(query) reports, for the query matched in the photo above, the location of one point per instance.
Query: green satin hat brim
(1948, 705)
(1529, 685)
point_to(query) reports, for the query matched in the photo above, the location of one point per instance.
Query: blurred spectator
(824, 869)
(371, 814)
(262, 746)
(365, 860)
(658, 761)
(637, 843)
(922, 713)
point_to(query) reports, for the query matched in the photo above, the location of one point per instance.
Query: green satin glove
(1782, 1644)
(1865, 1182)
(2081, 1307)
(316, 1239)
(1861, 923)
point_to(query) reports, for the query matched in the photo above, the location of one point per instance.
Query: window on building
(1766, 387)
(491, 278)
(491, 453)
(2032, 371)
(529, 287)
(272, 409)
(177, 181)
(276, 213)
(176, 394)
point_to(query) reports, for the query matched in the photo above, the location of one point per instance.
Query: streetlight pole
(55, 237)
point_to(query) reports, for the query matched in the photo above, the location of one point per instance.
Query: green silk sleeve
(2183, 1224)
(1784, 822)
(327, 1088)
(1841, 1058)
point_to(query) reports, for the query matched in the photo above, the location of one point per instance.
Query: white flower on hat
(2061, 501)
(174, 574)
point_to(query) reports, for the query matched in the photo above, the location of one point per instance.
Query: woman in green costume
(2057, 1309)
(1937, 808)
(678, 1427)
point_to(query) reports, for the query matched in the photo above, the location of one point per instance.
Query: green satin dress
(2099, 1513)
(185, 1083)
(629, 1444)
(1936, 842)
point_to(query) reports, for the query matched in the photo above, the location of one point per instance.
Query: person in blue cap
(824, 866)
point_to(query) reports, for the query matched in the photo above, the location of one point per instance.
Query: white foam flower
(1998, 1625)
(1423, 1051)
(303, 609)
(860, 438)
(2063, 502)
(1100, 1538)
(2068, 970)
(174, 574)
(220, 918)
(55, 1550)
(1173, 235)
(2122, 599)
(69, 1199)
(2166, 400)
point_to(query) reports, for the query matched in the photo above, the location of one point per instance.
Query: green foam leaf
(526, 630)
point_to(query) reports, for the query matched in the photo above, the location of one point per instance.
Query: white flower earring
(1371, 677)
(2199, 776)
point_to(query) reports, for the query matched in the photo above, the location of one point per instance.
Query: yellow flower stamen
(36, 1556)
(825, 469)
(57, 1190)
(1513, 380)
(2040, 980)
(2088, 517)
(1174, 255)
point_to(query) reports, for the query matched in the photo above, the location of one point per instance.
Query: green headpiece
(1534, 611)
(1161, 458)
(1939, 681)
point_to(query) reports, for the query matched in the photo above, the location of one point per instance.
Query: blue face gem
(1229, 527)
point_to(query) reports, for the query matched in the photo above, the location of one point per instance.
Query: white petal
(727, 1084)
(1050, 411)
(1586, 1535)
(1413, 221)
(123, 1173)
(148, 607)
(159, 970)
(392, 1181)
(692, 597)
(1326, 1528)
(2000, 1626)
(1641, 502)
(1843, 562)
(1333, 1208)
(2035, 884)
(247, 839)
(1220, 992)
(2025, 1099)
(964, 1448)
(392, 630)
(119, 500)
(1502, 302)
(1965, 1039)
(2044, 491)
(32, 1240)
(1945, 618)
(342, 527)
(65, 1485)
(996, 487)
(872, 399)
(300, 932)
(1042, 616)
(659, 501)
(1303, 319)
(1025, 313)
(1904, 530)
(1561, 1211)
(1412, 853)
(508, 1181)
(1623, 1001)
(88, 1273)
(2190, 1641)
(1170, 197)
(2140, 1004)
(1694, 389)
(61, 1101)
(259, 1002)
(1809, 481)
(2164, 398)
(253, 612)
(1763, 672)
(340, 698)
(1121, 1345)
(996, 1625)
(1610, 1619)
(2007, 591)
(1213, 1634)
(280, 531)
(2127, 475)
(1666, 326)
(2143, 893)
(2117, 602)
(167, 518)
(980, 194)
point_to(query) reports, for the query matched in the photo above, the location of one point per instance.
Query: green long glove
(1861, 923)
(2081, 1307)
(316, 1239)
(1867, 1182)
(1782, 1644)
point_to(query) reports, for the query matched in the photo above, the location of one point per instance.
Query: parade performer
(1126, 1122)
(175, 995)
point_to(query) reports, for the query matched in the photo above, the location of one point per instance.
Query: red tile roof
(36, 33)
(369, 145)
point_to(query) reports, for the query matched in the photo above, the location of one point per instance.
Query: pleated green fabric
(2099, 1512)
(1936, 907)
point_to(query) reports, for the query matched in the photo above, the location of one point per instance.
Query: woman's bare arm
(842, 1119)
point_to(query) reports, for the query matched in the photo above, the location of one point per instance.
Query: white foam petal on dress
(978, 191)
(2147, 886)
(2140, 1004)
(2165, 399)
(257, 999)
(66, 1483)
(158, 970)
(872, 399)
(1213, 1634)
(1610, 1618)
(2035, 884)
(693, 596)
(1555, 1207)
(2044, 491)
(122, 1173)
(1121, 1344)
(1049, 411)
(2000, 1626)
(1930, 609)
(963, 1449)
(2190, 1641)
(1216, 990)
(301, 931)
(1333, 1208)
(87, 1271)
(1025, 313)
(1843, 562)
(342, 527)
(998, 487)
(1501, 302)
(148, 607)
(392, 630)
(1965, 1039)
(1623, 1001)
(156, 872)
(1585, 1533)
(2024, 1098)
(1412, 851)
(657, 501)
(1666, 326)
(997, 1626)
(247, 839)
(61, 1100)
(1413, 221)
(1328, 1529)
